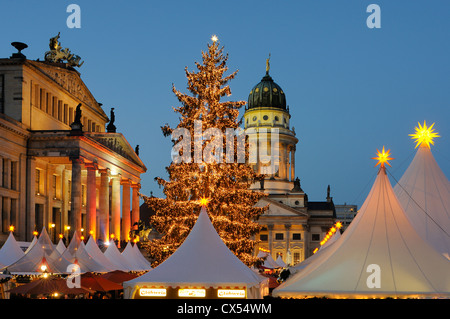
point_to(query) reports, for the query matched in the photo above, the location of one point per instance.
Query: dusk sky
(351, 89)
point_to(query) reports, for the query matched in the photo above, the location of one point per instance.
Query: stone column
(65, 205)
(126, 209)
(76, 204)
(135, 204)
(104, 205)
(288, 239)
(270, 228)
(293, 163)
(115, 206)
(31, 200)
(91, 201)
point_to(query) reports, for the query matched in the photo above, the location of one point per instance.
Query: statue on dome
(268, 65)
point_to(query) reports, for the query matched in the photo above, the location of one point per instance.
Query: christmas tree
(208, 165)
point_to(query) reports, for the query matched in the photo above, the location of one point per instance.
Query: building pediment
(70, 81)
(116, 142)
(279, 209)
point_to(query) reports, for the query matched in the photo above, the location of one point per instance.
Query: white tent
(93, 250)
(10, 251)
(144, 262)
(33, 241)
(41, 253)
(379, 255)
(269, 262)
(424, 193)
(76, 253)
(114, 255)
(60, 247)
(203, 260)
(280, 262)
(134, 256)
(294, 269)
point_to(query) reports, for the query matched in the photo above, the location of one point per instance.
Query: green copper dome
(267, 94)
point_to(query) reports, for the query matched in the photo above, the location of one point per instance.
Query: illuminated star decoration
(204, 201)
(424, 135)
(214, 38)
(383, 157)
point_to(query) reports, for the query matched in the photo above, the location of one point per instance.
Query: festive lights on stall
(337, 226)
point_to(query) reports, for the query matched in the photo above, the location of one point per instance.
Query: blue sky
(351, 89)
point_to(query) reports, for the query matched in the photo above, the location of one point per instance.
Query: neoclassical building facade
(61, 166)
(293, 226)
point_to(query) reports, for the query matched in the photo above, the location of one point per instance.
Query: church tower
(267, 118)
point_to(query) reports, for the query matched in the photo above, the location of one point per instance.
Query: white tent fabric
(269, 262)
(379, 255)
(42, 252)
(32, 244)
(424, 192)
(203, 260)
(133, 255)
(60, 247)
(294, 269)
(280, 262)
(10, 251)
(143, 261)
(332, 239)
(76, 253)
(114, 255)
(93, 250)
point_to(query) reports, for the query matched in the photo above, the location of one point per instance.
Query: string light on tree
(424, 135)
(221, 184)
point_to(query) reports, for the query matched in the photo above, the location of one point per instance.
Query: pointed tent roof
(280, 262)
(60, 247)
(31, 244)
(269, 262)
(424, 193)
(380, 235)
(114, 255)
(203, 260)
(10, 251)
(94, 251)
(147, 265)
(42, 251)
(76, 253)
(133, 255)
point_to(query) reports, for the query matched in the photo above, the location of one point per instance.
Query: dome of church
(267, 94)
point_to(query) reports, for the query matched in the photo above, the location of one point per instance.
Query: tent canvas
(380, 237)
(42, 251)
(76, 253)
(10, 251)
(203, 260)
(114, 255)
(280, 262)
(133, 255)
(424, 193)
(269, 262)
(93, 250)
(146, 264)
(60, 247)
